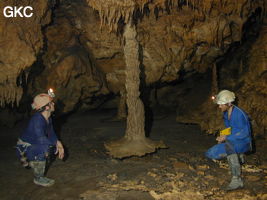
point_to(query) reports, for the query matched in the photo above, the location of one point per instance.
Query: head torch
(51, 93)
(214, 98)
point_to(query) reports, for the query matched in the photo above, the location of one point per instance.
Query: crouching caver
(234, 145)
(39, 138)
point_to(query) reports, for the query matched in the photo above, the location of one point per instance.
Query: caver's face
(51, 106)
(223, 107)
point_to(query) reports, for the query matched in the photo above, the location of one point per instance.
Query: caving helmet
(224, 97)
(42, 100)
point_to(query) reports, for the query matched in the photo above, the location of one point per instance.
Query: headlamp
(51, 93)
(213, 98)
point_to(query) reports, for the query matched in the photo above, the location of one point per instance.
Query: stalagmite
(134, 143)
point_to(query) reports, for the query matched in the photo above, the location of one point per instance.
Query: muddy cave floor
(89, 173)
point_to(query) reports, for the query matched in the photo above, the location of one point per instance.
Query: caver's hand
(221, 138)
(60, 150)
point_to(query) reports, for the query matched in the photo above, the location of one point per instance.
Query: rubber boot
(236, 181)
(38, 171)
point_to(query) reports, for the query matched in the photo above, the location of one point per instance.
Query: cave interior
(133, 81)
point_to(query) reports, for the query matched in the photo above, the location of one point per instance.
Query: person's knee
(37, 157)
(215, 152)
(233, 159)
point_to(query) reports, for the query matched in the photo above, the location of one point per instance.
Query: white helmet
(224, 97)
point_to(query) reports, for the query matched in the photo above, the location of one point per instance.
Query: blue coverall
(240, 139)
(40, 135)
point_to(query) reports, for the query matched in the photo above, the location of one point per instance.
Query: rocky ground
(88, 173)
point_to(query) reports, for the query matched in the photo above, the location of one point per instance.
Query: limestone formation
(69, 68)
(21, 40)
(134, 142)
(253, 93)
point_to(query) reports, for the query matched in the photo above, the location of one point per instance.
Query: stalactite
(10, 94)
(111, 11)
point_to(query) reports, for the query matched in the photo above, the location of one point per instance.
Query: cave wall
(73, 60)
(186, 38)
(247, 75)
(21, 40)
(253, 93)
(243, 70)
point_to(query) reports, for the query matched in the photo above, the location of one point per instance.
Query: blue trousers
(35, 152)
(221, 150)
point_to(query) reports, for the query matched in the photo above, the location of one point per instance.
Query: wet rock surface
(88, 173)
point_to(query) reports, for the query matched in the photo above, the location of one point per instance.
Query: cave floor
(89, 173)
